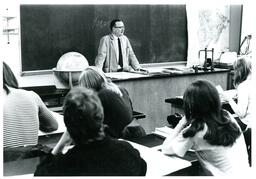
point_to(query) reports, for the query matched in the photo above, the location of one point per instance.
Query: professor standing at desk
(115, 51)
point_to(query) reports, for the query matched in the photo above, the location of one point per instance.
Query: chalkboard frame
(133, 32)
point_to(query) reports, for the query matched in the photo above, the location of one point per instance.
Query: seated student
(117, 114)
(246, 98)
(94, 78)
(24, 113)
(209, 130)
(93, 153)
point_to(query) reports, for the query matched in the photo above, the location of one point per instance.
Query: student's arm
(240, 108)
(47, 122)
(64, 141)
(176, 143)
(102, 52)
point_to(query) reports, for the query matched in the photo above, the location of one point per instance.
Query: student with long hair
(94, 78)
(246, 98)
(245, 91)
(209, 130)
(116, 103)
(24, 113)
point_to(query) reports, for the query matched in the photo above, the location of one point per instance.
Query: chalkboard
(158, 33)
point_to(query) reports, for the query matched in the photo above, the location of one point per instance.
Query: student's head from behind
(201, 99)
(202, 106)
(83, 115)
(9, 79)
(92, 78)
(242, 69)
(117, 27)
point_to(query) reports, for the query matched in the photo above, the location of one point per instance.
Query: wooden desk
(177, 102)
(153, 140)
(147, 92)
(135, 114)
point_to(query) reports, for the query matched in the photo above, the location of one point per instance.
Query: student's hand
(64, 141)
(186, 127)
(181, 125)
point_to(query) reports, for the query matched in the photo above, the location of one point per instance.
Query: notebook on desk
(61, 125)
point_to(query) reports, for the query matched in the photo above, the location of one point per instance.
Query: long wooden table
(147, 92)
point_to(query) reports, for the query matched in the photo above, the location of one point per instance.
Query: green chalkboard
(158, 33)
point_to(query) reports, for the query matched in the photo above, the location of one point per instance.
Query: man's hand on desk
(125, 69)
(141, 70)
(128, 69)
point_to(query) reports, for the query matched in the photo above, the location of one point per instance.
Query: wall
(10, 52)
(235, 27)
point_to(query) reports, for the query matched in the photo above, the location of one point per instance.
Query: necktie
(120, 58)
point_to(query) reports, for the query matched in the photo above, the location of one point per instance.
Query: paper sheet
(159, 164)
(163, 131)
(61, 125)
(124, 75)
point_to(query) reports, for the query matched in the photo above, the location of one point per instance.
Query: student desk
(26, 165)
(147, 92)
(166, 166)
(177, 103)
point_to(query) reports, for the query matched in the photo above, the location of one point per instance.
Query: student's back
(117, 113)
(116, 103)
(221, 160)
(93, 153)
(23, 114)
(108, 157)
(211, 131)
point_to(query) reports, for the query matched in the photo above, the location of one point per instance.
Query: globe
(69, 67)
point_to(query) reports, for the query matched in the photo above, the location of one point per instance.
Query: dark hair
(202, 106)
(83, 115)
(242, 69)
(113, 23)
(9, 78)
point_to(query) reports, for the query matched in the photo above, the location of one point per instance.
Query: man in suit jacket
(113, 55)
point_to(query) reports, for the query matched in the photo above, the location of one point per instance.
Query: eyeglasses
(121, 27)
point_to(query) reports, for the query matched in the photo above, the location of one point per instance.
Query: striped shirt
(24, 113)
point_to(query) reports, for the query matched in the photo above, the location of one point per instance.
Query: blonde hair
(94, 78)
(242, 69)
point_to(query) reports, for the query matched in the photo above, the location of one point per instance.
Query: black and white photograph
(133, 88)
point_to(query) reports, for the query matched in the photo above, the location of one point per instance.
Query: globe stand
(70, 80)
